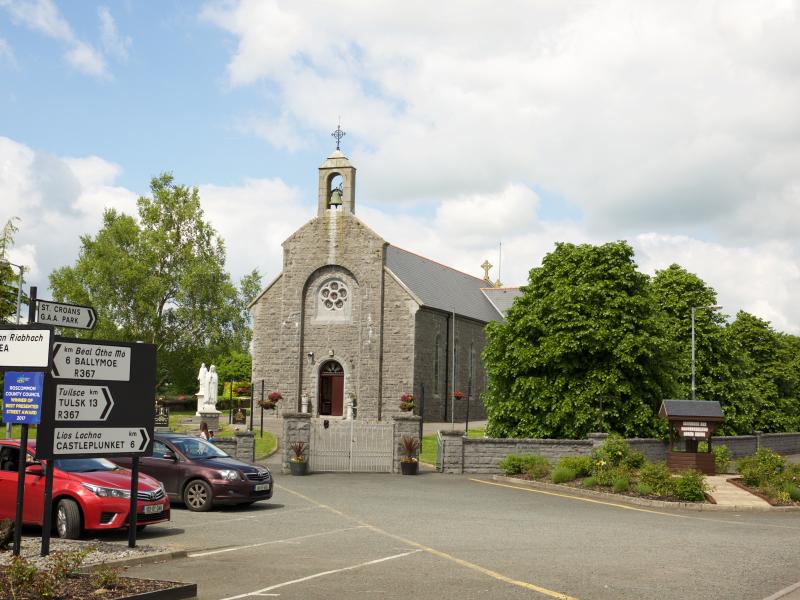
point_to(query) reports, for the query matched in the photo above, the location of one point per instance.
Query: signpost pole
(23, 447)
(47, 512)
(132, 516)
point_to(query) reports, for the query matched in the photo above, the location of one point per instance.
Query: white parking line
(283, 541)
(784, 592)
(322, 574)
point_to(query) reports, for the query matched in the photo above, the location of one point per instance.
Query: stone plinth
(404, 426)
(211, 419)
(296, 428)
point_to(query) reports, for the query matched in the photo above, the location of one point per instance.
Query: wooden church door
(331, 389)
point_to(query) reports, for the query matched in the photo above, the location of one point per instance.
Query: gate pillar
(296, 428)
(404, 425)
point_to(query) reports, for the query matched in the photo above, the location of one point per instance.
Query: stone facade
(380, 334)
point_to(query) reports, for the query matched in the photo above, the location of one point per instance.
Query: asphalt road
(441, 536)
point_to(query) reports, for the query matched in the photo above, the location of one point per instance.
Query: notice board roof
(691, 409)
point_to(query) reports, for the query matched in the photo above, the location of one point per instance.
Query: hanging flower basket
(407, 402)
(458, 395)
(271, 401)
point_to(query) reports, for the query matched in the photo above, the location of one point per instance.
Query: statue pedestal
(211, 419)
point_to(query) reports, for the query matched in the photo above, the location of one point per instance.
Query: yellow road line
(439, 553)
(759, 524)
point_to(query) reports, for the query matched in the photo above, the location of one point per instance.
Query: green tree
(161, 280)
(720, 369)
(772, 369)
(9, 276)
(586, 331)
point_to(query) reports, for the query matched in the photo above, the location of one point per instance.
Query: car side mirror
(169, 456)
(35, 469)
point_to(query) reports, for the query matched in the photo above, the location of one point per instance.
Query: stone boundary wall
(482, 455)
(242, 446)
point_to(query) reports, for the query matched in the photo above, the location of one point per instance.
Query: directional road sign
(101, 400)
(100, 440)
(83, 402)
(25, 347)
(83, 360)
(65, 315)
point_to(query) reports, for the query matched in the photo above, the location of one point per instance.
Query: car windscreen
(84, 465)
(194, 448)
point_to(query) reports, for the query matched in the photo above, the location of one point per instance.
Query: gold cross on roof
(486, 266)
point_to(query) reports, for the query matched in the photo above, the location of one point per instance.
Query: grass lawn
(427, 453)
(264, 445)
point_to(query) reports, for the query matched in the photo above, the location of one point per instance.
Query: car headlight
(229, 474)
(106, 492)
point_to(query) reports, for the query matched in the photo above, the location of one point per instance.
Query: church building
(353, 319)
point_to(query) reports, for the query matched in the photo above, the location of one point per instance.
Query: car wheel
(197, 495)
(68, 520)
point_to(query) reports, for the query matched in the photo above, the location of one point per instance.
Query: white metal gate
(351, 446)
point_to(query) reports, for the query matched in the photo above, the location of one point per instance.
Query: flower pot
(298, 468)
(409, 468)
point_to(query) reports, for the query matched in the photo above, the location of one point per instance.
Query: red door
(331, 389)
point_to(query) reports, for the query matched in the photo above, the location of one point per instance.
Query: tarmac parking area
(440, 536)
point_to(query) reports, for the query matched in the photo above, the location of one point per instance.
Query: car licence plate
(152, 509)
(260, 487)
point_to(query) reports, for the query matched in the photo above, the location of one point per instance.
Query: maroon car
(201, 475)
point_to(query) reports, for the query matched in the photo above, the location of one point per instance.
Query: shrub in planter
(791, 489)
(516, 464)
(605, 475)
(297, 462)
(581, 465)
(643, 489)
(563, 474)
(658, 478)
(634, 460)
(690, 486)
(589, 482)
(763, 467)
(409, 463)
(722, 458)
(621, 484)
(537, 467)
(613, 452)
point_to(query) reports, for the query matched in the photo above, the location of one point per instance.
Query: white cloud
(646, 115)
(68, 195)
(43, 16)
(113, 42)
(7, 53)
(57, 200)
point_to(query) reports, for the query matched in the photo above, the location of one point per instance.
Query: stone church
(353, 319)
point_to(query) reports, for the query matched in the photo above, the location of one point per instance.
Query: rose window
(333, 295)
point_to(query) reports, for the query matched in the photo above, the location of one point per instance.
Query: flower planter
(409, 468)
(298, 468)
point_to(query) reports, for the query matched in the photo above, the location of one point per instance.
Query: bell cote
(337, 185)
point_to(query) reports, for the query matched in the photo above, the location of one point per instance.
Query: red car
(88, 493)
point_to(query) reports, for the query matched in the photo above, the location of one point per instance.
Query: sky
(672, 125)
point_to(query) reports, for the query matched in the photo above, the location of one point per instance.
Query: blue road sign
(22, 398)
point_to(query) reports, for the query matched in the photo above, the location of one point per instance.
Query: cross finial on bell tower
(486, 266)
(338, 134)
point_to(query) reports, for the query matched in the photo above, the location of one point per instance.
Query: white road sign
(83, 402)
(91, 361)
(99, 441)
(28, 348)
(65, 315)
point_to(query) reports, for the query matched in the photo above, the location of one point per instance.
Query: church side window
(333, 296)
(436, 373)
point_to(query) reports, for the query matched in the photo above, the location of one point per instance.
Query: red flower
(458, 395)
(275, 396)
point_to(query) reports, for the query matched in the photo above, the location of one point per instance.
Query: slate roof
(442, 287)
(502, 298)
(705, 409)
